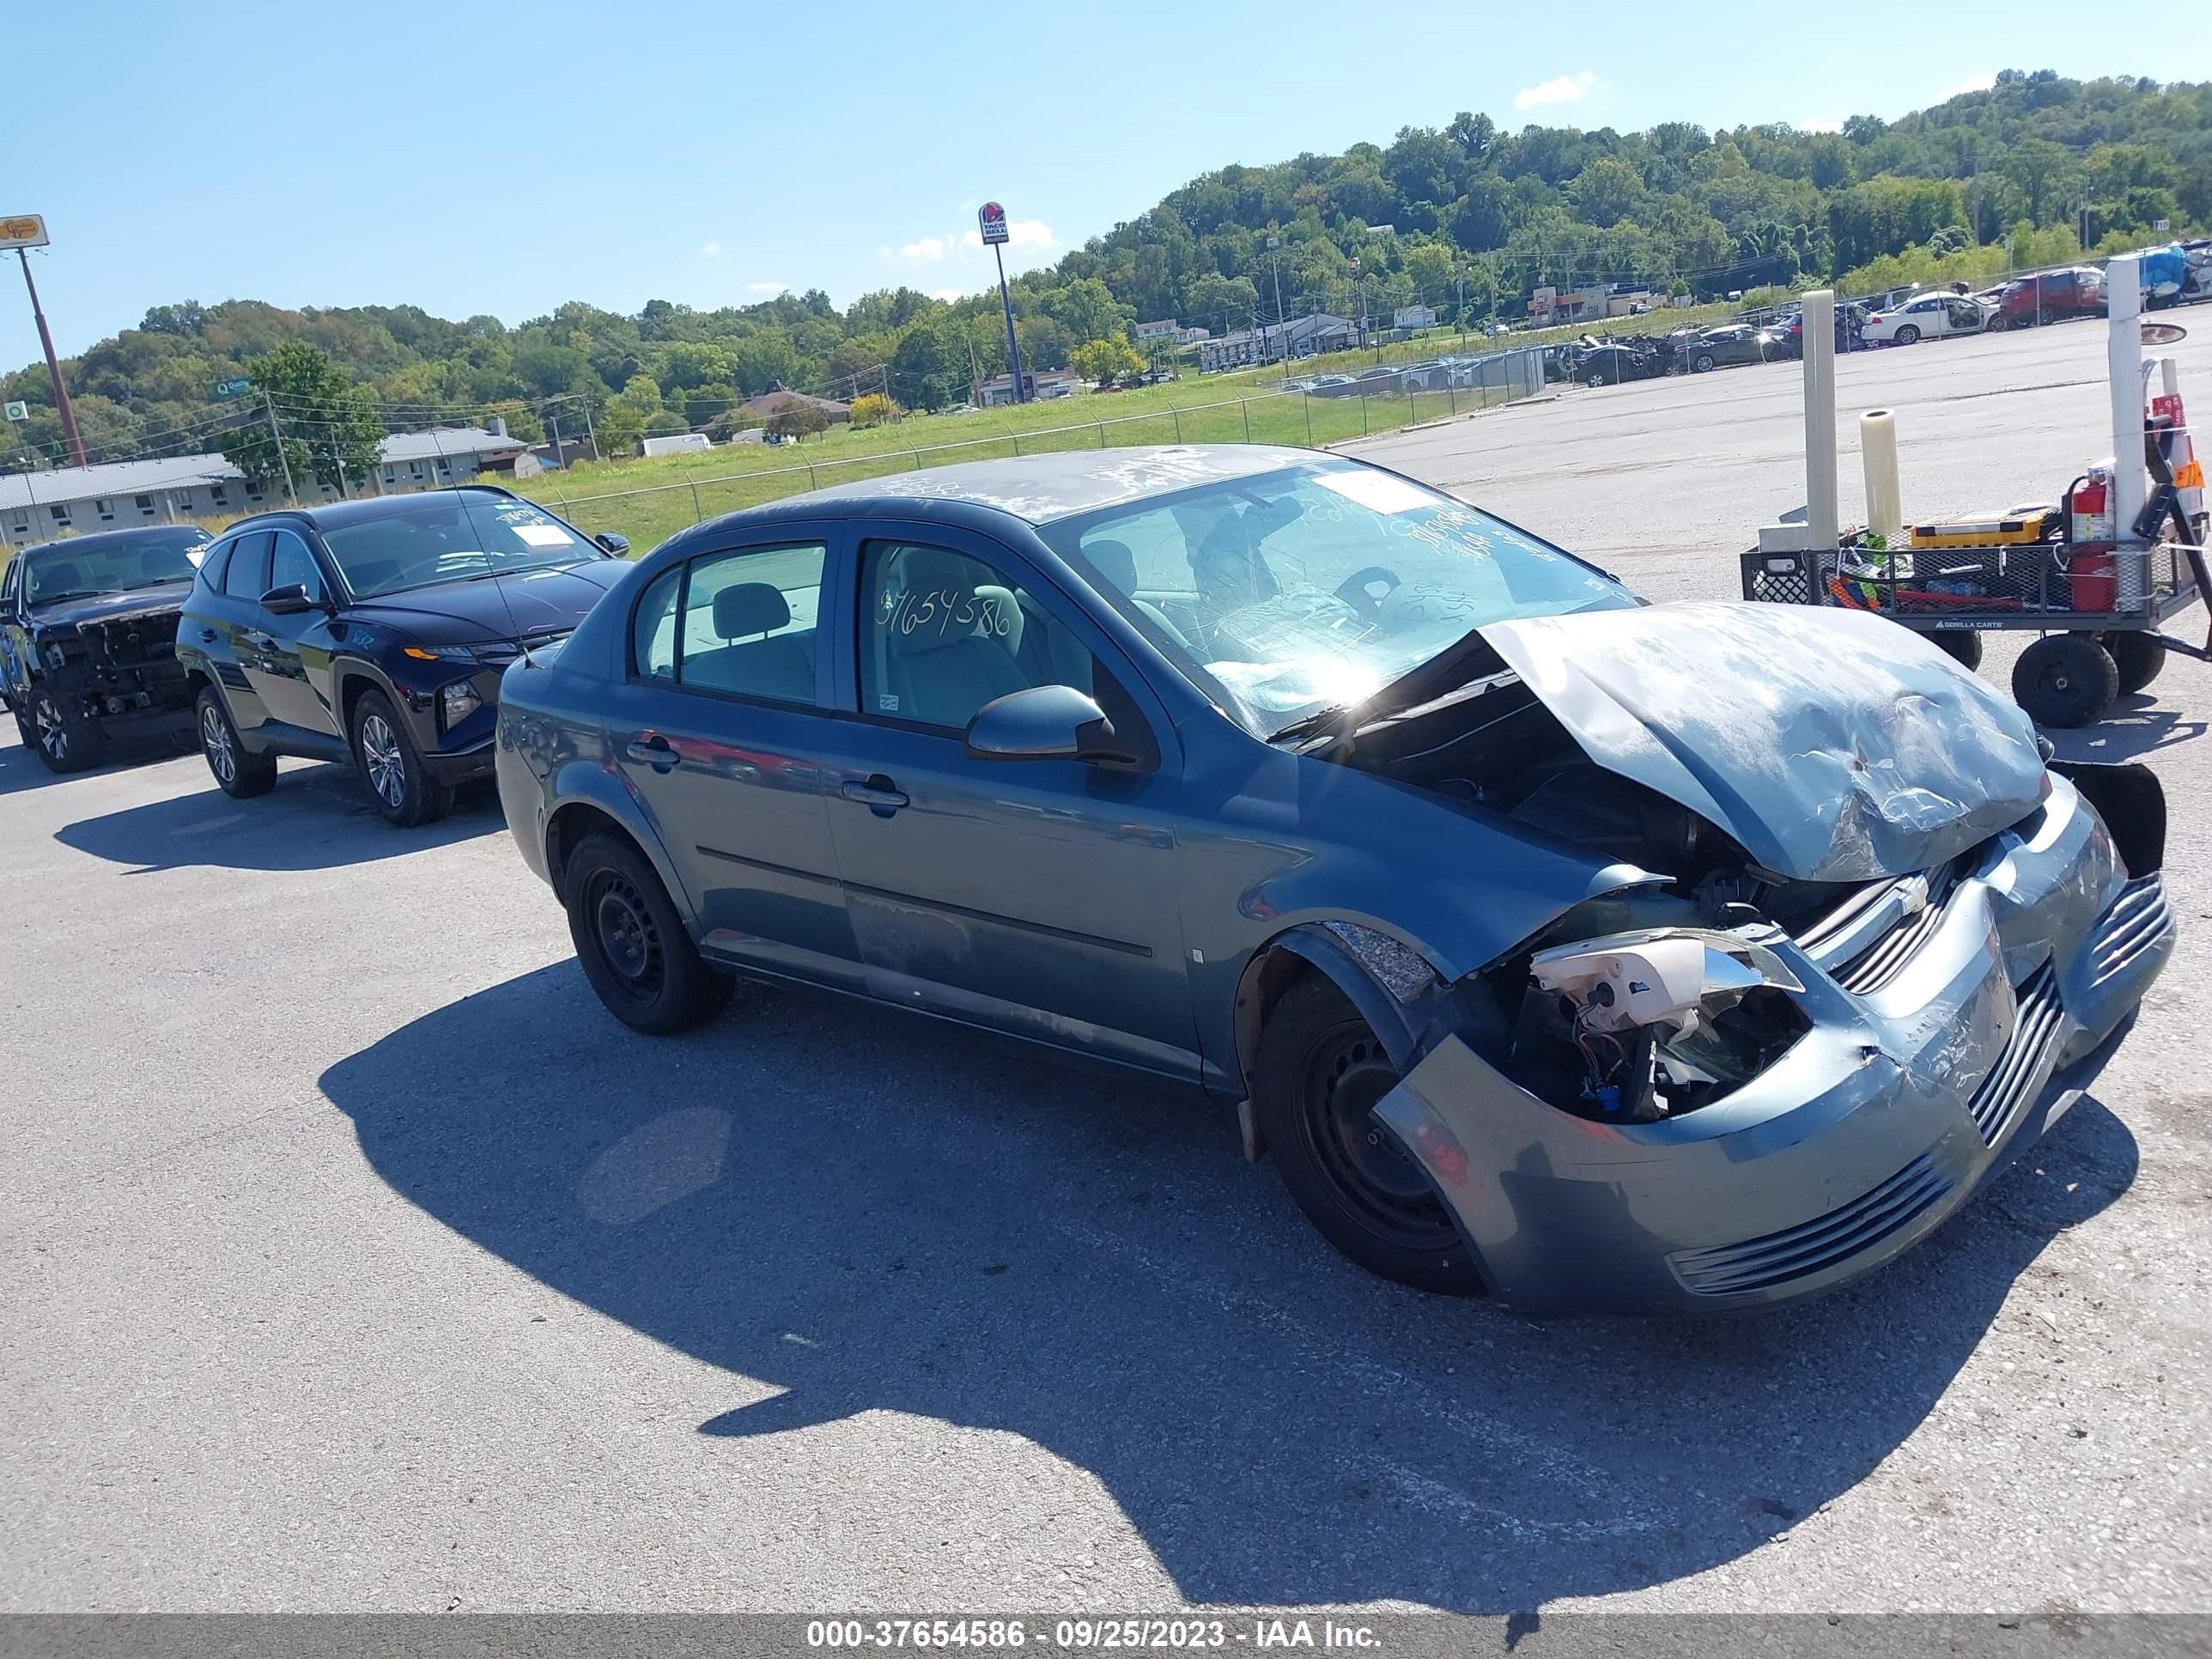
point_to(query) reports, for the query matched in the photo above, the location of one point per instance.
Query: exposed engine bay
(1654, 1000)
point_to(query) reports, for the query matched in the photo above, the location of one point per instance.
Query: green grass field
(648, 501)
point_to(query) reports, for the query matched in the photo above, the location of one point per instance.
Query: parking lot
(356, 1258)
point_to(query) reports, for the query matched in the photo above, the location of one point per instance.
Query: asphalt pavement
(353, 1259)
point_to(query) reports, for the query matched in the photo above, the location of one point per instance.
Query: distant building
(1302, 337)
(1043, 384)
(74, 501)
(1168, 330)
(1413, 317)
(773, 401)
(1193, 335)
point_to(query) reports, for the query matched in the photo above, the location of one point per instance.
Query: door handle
(878, 793)
(207, 636)
(262, 641)
(651, 749)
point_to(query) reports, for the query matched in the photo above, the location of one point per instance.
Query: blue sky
(503, 159)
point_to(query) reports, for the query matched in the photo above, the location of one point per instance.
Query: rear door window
(246, 576)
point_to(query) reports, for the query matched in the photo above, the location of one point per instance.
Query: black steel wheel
(238, 772)
(2138, 657)
(2066, 680)
(1320, 1075)
(61, 734)
(632, 944)
(1962, 645)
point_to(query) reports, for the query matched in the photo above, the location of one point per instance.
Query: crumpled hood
(1833, 745)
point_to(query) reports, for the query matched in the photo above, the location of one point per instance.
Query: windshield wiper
(1311, 724)
(153, 581)
(73, 594)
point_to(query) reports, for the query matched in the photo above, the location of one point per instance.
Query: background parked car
(1612, 361)
(1932, 316)
(374, 632)
(88, 632)
(1789, 332)
(2051, 296)
(1728, 344)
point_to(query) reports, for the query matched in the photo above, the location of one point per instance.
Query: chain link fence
(1383, 400)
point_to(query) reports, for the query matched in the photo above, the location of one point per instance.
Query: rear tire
(1320, 1071)
(2138, 657)
(1908, 335)
(238, 772)
(2066, 680)
(1962, 645)
(61, 734)
(384, 757)
(632, 944)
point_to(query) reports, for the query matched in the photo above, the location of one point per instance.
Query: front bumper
(1878, 1124)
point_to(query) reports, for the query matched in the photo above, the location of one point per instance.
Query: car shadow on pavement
(21, 770)
(869, 1213)
(316, 818)
(2136, 727)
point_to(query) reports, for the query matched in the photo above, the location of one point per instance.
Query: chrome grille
(1759, 1264)
(1883, 960)
(2138, 918)
(1996, 1105)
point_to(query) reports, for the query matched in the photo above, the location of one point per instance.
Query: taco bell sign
(993, 219)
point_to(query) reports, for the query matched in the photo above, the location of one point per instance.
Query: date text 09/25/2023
(1143, 1634)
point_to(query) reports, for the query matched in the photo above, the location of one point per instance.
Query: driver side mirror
(1046, 722)
(617, 546)
(290, 601)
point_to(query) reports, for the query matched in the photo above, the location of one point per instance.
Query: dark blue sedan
(1591, 953)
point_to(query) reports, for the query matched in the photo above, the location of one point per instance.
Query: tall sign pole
(23, 232)
(991, 219)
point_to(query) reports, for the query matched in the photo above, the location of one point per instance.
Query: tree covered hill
(1478, 218)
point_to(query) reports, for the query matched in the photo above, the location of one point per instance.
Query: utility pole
(554, 421)
(53, 366)
(278, 438)
(591, 436)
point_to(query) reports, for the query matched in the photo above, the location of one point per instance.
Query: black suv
(86, 632)
(375, 631)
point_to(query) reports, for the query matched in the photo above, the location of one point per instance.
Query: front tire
(1320, 1073)
(63, 736)
(2066, 680)
(238, 772)
(1703, 366)
(385, 757)
(631, 943)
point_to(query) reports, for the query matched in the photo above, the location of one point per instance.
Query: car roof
(1039, 488)
(332, 515)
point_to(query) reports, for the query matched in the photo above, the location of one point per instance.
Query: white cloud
(1973, 84)
(1561, 89)
(711, 249)
(1020, 233)
(768, 287)
(947, 295)
(927, 250)
(1822, 124)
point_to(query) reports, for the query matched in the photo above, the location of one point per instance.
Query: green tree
(873, 409)
(1087, 310)
(926, 370)
(628, 413)
(1106, 361)
(330, 428)
(797, 418)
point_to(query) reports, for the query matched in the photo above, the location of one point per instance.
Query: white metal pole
(2124, 364)
(1820, 326)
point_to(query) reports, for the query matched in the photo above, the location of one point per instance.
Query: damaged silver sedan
(1586, 953)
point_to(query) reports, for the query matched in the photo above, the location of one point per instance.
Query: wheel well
(570, 825)
(1272, 971)
(350, 692)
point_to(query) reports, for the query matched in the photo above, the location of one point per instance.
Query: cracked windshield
(1315, 587)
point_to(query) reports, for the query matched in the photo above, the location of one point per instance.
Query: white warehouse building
(76, 500)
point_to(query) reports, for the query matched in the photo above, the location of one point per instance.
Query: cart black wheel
(1962, 645)
(2066, 680)
(2138, 656)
